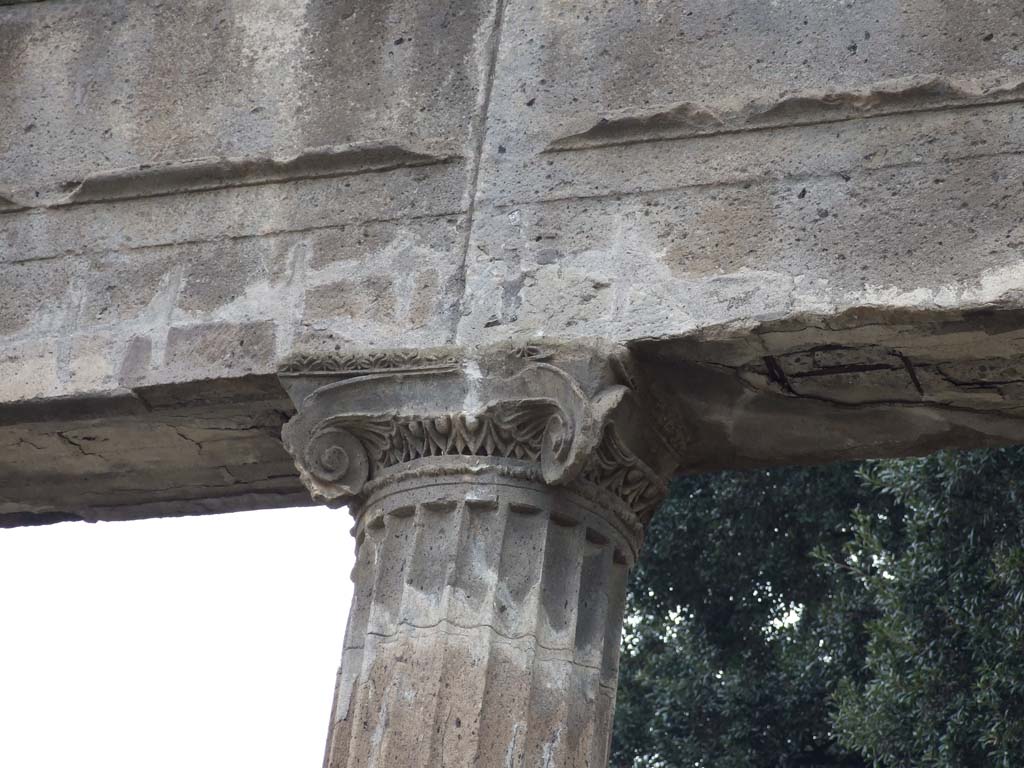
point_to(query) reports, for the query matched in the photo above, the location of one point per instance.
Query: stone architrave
(500, 498)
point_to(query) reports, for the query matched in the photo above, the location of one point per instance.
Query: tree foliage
(848, 615)
(945, 658)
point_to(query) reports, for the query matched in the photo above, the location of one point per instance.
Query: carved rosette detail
(358, 431)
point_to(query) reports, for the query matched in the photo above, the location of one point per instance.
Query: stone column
(500, 500)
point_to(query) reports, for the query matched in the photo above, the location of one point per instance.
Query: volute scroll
(576, 423)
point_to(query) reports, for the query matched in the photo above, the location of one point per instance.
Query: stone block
(93, 363)
(628, 72)
(215, 350)
(29, 369)
(223, 276)
(129, 287)
(137, 361)
(301, 75)
(371, 299)
(33, 296)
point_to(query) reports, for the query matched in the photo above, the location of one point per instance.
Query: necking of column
(500, 499)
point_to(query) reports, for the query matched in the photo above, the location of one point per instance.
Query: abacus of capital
(500, 498)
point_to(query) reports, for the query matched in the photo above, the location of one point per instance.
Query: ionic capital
(567, 417)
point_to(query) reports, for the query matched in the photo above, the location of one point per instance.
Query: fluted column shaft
(485, 628)
(499, 503)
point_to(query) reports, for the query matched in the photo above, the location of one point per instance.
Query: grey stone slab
(670, 263)
(669, 167)
(157, 451)
(567, 68)
(86, 87)
(134, 314)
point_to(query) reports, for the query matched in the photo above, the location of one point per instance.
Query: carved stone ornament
(500, 498)
(561, 416)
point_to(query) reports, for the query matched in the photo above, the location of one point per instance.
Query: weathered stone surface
(498, 643)
(218, 188)
(265, 79)
(154, 451)
(729, 188)
(500, 498)
(801, 219)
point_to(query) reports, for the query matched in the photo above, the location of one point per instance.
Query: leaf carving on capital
(505, 431)
(357, 430)
(617, 470)
(342, 453)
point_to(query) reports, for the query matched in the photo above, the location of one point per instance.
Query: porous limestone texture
(500, 499)
(802, 217)
(498, 642)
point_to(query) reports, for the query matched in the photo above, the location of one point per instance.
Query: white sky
(206, 642)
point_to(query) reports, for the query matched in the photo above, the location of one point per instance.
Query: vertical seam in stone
(550, 742)
(74, 298)
(439, 724)
(296, 296)
(159, 339)
(487, 704)
(361, 707)
(350, 673)
(483, 109)
(329, 748)
(597, 618)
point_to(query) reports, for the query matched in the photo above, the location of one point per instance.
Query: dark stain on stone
(802, 108)
(220, 173)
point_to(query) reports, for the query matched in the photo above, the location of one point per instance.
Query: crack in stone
(511, 638)
(775, 373)
(483, 109)
(214, 174)
(510, 753)
(282, 232)
(911, 372)
(550, 746)
(69, 441)
(759, 180)
(151, 491)
(183, 436)
(839, 370)
(690, 120)
(1010, 412)
(974, 383)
